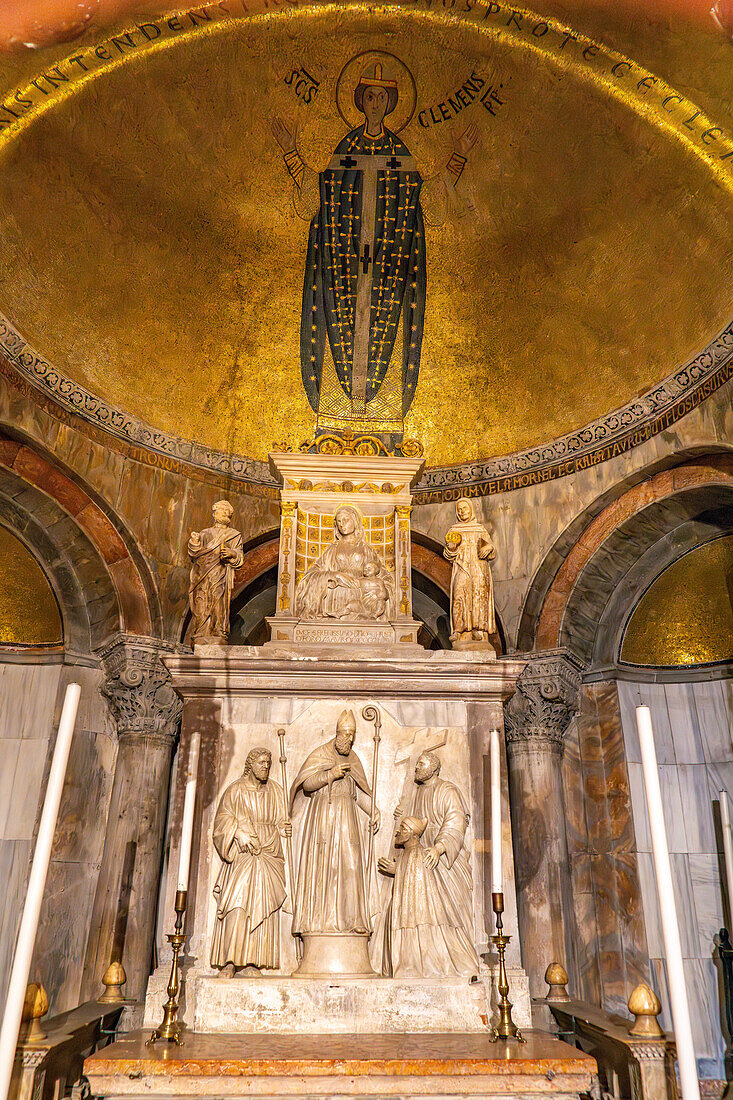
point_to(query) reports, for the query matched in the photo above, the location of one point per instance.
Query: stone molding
(651, 1051)
(538, 714)
(138, 687)
(644, 416)
(362, 672)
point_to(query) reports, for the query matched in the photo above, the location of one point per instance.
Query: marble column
(536, 718)
(147, 712)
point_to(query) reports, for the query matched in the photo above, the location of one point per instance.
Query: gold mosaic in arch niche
(545, 241)
(685, 617)
(29, 614)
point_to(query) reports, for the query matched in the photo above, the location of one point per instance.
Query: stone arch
(713, 517)
(83, 589)
(593, 583)
(87, 537)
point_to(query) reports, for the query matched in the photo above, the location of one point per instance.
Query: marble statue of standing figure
(341, 583)
(428, 927)
(330, 895)
(250, 889)
(215, 554)
(470, 549)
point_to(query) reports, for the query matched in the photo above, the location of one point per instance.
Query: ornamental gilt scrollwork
(138, 687)
(348, 443)
(546, 699)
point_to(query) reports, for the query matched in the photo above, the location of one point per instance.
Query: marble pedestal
(345, 1006)
(238, 698)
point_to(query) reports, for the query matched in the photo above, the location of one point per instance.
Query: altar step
(329, 1067)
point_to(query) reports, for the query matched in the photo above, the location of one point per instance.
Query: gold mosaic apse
(29, 614)
(686, 616)
(152, 249)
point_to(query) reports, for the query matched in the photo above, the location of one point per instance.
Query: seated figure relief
(349, 581)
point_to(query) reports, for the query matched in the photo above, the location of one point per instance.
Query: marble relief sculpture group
(424, 928)
(349, 580)
(304, 854)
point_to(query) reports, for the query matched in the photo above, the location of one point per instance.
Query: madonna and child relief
(335, 875)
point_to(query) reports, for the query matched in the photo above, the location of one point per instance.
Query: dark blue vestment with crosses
(338, 258)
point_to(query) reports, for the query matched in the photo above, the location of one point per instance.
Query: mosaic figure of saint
(365, 272)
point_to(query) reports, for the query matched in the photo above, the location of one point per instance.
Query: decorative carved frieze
(539, 712)
(138, 687)
(660, 406)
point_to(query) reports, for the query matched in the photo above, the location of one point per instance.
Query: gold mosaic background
(686, 616)
(150, 249)
(29, 614)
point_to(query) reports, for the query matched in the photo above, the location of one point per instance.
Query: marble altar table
(329, 1066)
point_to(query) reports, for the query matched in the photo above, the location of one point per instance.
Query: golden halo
(393, 69)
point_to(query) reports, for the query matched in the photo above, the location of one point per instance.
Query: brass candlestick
(170, 1028)
(506, 1028)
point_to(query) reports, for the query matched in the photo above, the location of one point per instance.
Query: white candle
(189, 803)
(668, 911)
(36, 883)
(497, 873)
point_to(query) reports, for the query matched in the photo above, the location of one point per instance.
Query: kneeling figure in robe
(428, 925)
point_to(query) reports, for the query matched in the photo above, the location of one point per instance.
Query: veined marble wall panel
(28, 694)
(30, 706)
(692, 727)
(612, 955)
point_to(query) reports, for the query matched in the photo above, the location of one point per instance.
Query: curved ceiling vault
(152, 272)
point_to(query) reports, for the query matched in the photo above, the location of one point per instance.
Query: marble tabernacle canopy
(344, 572)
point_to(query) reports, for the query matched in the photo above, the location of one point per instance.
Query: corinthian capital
(138, 687)
(539, 712)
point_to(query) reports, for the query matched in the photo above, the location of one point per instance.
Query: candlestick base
(170, 1027)
(505, 1028)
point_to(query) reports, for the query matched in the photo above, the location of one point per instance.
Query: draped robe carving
(469, 547)
(428, 925)
(250, 889)
(335, 586)
(330, 895)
